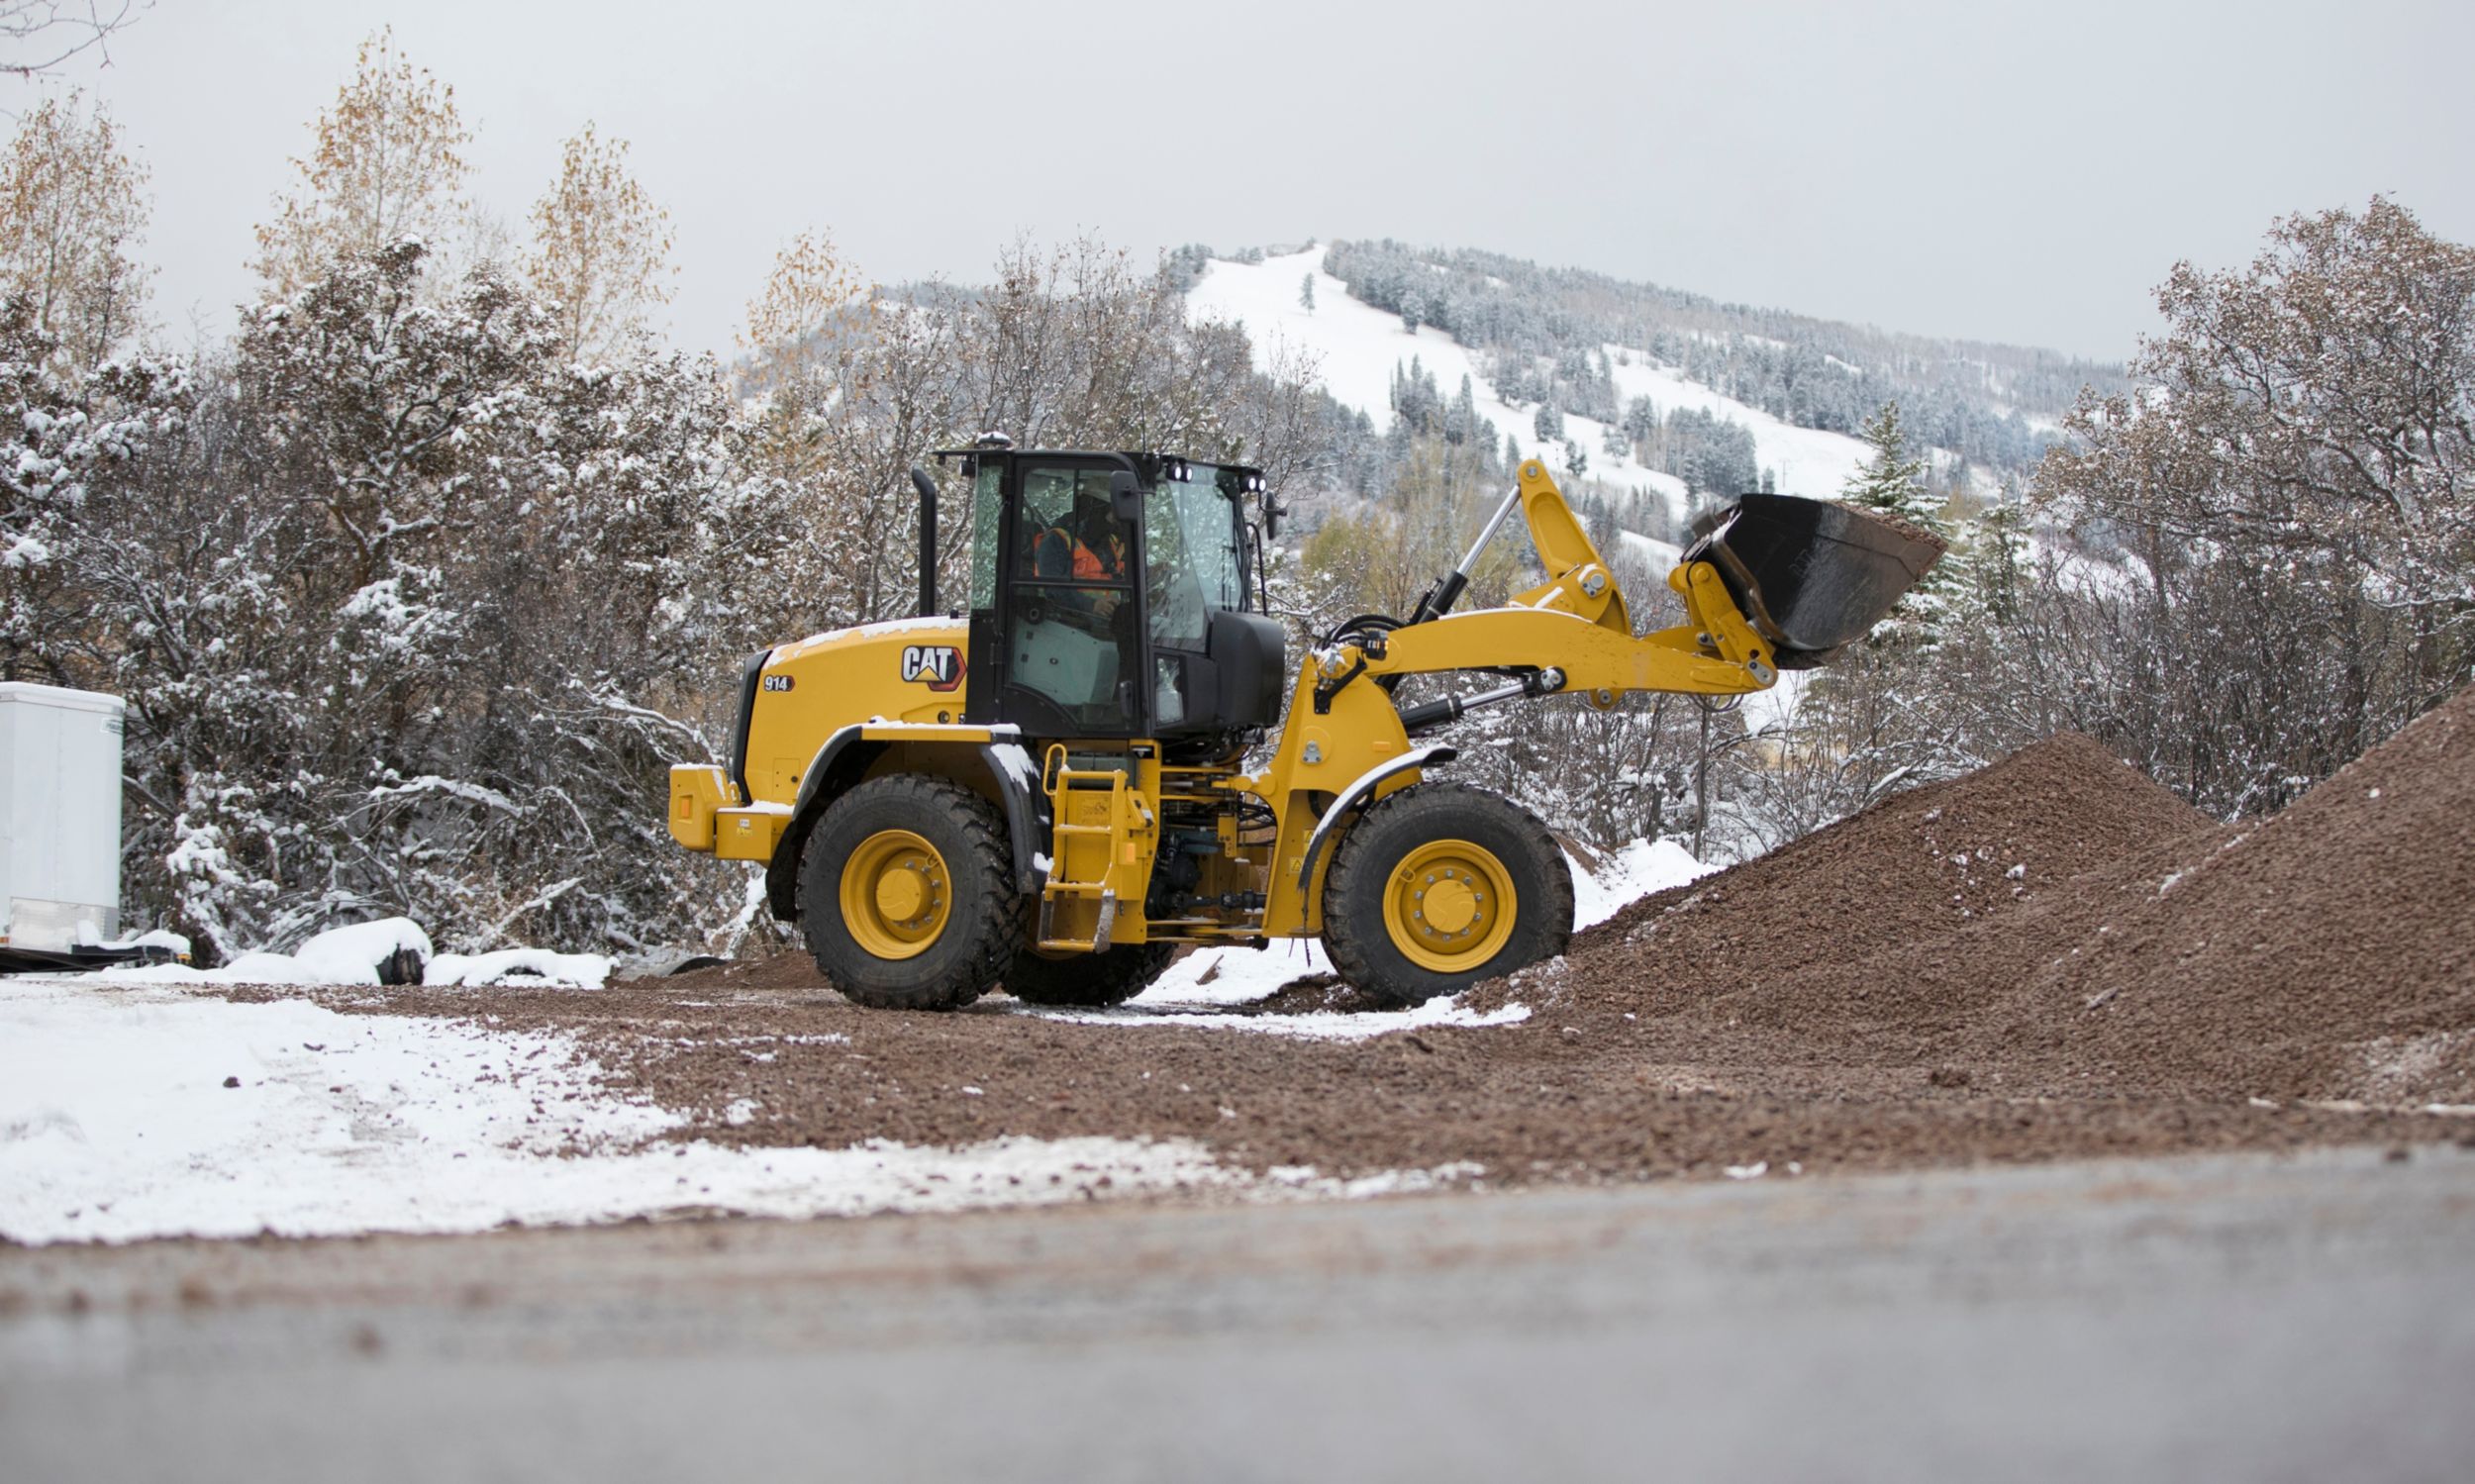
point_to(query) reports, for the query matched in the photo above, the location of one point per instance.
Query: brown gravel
(2329, 952)
(1912, 986)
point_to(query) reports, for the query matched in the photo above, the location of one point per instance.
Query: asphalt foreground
(2251, 1317)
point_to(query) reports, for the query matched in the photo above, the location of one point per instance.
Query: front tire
(906, 894)
(1439, 886)
(1111, 976)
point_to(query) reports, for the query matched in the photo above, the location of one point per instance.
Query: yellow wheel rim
(1450, 906)
(896, 893)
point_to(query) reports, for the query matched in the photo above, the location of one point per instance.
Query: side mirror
(1271, 516)
(1126, 496)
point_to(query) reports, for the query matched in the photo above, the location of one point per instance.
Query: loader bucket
(1812, 577)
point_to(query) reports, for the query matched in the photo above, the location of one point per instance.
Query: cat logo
(940, 665)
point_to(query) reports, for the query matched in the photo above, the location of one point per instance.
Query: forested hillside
(1546, 333)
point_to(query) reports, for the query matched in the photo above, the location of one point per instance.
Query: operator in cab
(1091, 552)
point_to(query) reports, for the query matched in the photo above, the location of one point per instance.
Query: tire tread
(1362, 952)
(996, 926)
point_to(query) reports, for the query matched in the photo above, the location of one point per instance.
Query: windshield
(1190, 539)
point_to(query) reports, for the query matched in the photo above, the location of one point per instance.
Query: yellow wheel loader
(1046, 789)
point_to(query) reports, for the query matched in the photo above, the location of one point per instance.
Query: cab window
(1068, 532)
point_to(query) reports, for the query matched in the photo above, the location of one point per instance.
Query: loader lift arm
(1572, 634)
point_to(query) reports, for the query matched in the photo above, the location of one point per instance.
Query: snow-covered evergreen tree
(1892, 480)
(1892, 477)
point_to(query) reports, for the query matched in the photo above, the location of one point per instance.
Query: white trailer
(60, 817)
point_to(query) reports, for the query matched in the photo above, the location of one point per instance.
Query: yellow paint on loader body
(1107, 837)
(903, 682)
(907, 671)
(697, 791)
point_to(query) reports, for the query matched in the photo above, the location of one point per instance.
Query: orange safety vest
(1086, 564)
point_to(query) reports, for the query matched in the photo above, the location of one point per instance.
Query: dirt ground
(2052, 957)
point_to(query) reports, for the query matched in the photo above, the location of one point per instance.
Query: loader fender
(845, 759)
(1010, 768)
(835, 768)
(1355, 796)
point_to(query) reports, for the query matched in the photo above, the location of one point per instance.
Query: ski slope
(1808, 461)
(1356, 349)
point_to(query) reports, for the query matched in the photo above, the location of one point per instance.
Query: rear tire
(1439, 886)
(1111, 976)
(907, 896)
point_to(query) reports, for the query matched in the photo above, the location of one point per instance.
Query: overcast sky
(1988, 169)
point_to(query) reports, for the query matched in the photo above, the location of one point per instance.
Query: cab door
(1068, 624)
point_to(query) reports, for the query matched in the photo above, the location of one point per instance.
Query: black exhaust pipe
(926, 487)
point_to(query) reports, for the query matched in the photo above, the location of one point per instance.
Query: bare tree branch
(42, 34)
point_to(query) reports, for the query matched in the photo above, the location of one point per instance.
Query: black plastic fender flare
(1355, 795)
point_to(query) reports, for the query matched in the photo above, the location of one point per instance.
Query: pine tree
(1306, 293)
(1892, 481)
(1995, 565)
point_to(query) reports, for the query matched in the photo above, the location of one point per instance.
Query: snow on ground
(1153, 1009)
(1661, 556)
(1809, 461)
(1356, 345)
(582, 970)
(137, 1111)
(131, 1109)
(1642, 868)
(352, 955)
(1206, 987)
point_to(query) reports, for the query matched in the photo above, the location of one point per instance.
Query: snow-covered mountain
(1359, 348)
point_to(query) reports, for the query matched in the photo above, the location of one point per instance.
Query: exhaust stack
(926, 487)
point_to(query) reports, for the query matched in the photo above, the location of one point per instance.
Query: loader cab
(1115, 596)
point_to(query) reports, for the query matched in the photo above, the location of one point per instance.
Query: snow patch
(134, 1112)
(1328, 1025)
(352, 955)
(1358, 347)
(1642, 868)
(573, 970)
